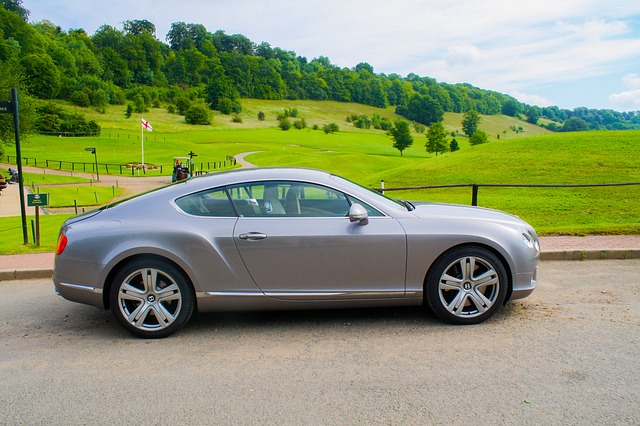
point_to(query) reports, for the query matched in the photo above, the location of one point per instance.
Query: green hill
(530, 155)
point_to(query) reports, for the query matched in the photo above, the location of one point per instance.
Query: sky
(569, 53)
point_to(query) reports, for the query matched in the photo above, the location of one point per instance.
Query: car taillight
(62, 243)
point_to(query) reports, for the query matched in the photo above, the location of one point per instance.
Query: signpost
(93, 151)
(37, 201)
(11, 107)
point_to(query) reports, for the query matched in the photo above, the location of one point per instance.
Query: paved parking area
(566, 355)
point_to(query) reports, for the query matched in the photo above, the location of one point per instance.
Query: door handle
(253, 236)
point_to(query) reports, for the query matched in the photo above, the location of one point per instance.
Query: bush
(300, 124)
(478, 137)
(197, 114)
(54, 119)
(227, 106)
(330, 128)
(261, 116)
(236, 119)
(80, 99)
(182, 104)
(284, 124)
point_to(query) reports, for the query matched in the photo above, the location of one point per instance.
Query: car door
(297, 242)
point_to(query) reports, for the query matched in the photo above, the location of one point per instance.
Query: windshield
(381, 198)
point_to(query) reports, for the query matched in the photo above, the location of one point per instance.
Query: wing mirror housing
(357, 213)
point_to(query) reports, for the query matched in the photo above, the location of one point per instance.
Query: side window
(288, 199)
(207, 203)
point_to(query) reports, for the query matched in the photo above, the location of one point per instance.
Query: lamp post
(93, 151)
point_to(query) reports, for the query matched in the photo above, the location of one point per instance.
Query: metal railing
(475, 187)
(90, 167)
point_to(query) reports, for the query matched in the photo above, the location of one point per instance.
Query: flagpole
(142, 139)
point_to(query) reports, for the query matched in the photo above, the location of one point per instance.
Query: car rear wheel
(151, 298)
(466, 285)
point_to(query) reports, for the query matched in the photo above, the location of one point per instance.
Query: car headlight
(530, 241)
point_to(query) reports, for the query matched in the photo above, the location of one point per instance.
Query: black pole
(16, 126)
(95, 157)
(474, 195)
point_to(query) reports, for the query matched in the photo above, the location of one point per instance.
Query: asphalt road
(569, 354)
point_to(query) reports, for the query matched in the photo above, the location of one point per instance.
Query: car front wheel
(466, 285)
(151, 298)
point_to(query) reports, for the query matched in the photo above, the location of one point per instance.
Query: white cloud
(592, 30)
(631, 80)
(459, 55)
(532, 99)
(631, 98)
(626, 100)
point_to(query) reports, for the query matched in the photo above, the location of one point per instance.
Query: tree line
(132, 66)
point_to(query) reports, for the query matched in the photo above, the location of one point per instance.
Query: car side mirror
(357, 213)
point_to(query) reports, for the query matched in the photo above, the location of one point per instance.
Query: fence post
(474, 194)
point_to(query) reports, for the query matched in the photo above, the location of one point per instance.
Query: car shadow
(329, 319)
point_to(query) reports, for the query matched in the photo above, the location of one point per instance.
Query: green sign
(37, 200)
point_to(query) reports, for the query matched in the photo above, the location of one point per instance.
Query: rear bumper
(80, 293)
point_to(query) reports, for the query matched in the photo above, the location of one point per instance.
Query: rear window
(214, 203)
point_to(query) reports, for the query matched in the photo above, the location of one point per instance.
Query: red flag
(146, 125)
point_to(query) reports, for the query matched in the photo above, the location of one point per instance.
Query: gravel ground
(566, 355)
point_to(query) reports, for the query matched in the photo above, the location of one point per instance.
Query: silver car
(286, 238)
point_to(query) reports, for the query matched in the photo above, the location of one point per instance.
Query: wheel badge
(151, 298)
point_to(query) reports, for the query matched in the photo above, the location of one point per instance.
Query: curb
(590, 255)
(25, 274)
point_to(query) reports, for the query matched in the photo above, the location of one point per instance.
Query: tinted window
(207, 203)
(288, 199)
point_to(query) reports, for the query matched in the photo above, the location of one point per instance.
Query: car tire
(151, 298)
(466, 285)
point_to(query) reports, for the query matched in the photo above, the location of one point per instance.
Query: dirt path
(131, 185)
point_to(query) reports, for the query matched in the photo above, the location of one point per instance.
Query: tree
(220, 87)
(478, 137)
(423, 109)
(511, 108)
(197, 114)
(453, 146)
(401, 135)
(42, 76)
(533, 114)
(139, 26)
(178, 36)
(470, 122)
(11, 76)
(436, 138)
(15, 6)
(575, 124)
(183, 104)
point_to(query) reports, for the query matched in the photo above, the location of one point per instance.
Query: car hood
(456, 211)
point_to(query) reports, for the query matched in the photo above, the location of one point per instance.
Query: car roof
(257, 173)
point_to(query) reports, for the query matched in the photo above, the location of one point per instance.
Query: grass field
(528, 156)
